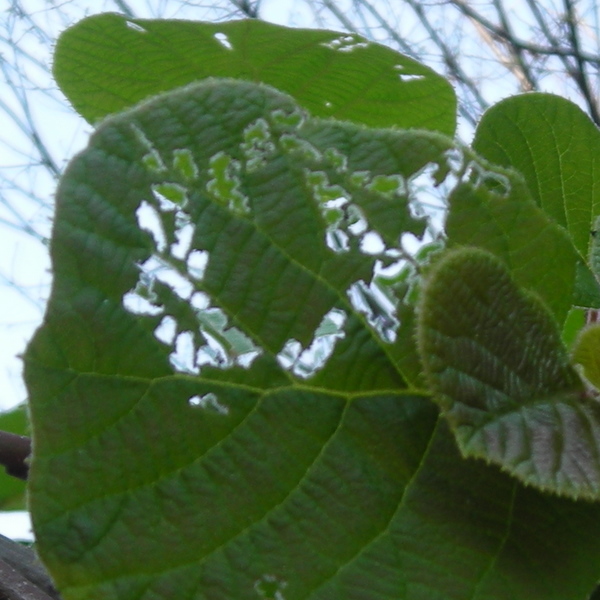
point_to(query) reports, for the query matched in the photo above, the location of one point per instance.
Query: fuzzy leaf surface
(502, 377)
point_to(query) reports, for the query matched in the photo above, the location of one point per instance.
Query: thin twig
(518, 66)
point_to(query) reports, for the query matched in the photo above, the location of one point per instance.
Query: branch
(14, 452)
(247, 8)
(554, 49)
(22, 576)
(519, 66)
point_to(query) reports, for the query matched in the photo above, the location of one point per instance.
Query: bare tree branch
(22, 576)
(247, 8)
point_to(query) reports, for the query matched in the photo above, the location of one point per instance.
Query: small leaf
(493, 355)
(587, 353)
(107, 63)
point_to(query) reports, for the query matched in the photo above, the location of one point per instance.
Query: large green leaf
(556, 147)
(185, 443)
(107, 63)
(493, 355)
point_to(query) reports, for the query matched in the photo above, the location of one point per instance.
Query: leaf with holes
(217, 393)
(493, 356)
(107, 63)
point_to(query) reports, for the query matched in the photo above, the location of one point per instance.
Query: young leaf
(108, 62)
(187, 445)
(493, 356)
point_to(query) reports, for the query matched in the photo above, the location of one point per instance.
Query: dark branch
(14, 451)
(521, 68)
(554, 48)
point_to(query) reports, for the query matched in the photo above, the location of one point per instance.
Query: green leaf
(556, 147)
(235, 473)
(247, 468)
(586, 352)
(107, 63)
(495, 212)
(493, 355)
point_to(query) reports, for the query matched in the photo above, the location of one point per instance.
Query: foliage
(227, 395)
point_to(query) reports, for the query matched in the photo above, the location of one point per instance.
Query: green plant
(235, 390)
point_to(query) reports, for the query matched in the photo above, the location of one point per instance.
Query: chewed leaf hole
(170, 196)
(149, 220)
(371, 243)
(166, 330)
(209, 402)
(184, 233)
(345, 43)
(183, 161)
(138, 302)
(306, 362)
(183, 358)
(224, 185)
(377, 307)
(135, 27)
(223, 40)
(196, 264)
(155, 268)
(270, 587)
